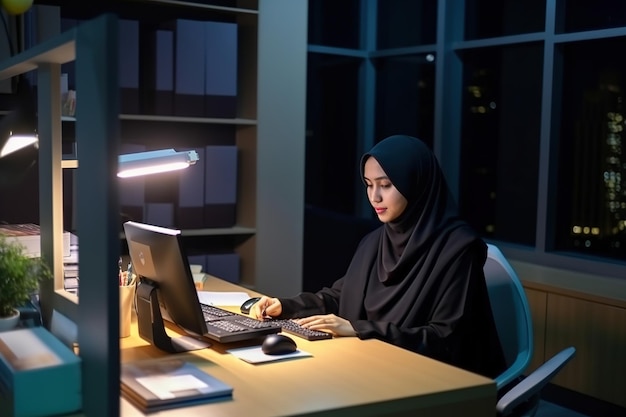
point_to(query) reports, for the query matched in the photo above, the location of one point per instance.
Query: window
(494, 18)
(522, 101)
(501, 109)
(332, 101)
(403, 23)
(578, 16)
(592, 166)
(334, 23)
(405, 96)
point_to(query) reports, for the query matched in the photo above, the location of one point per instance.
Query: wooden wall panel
(537, 301)
(598, 332)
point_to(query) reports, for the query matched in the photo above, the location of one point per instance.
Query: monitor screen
(166, 288)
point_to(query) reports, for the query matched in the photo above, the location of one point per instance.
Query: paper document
(254, 354)
(219, 298)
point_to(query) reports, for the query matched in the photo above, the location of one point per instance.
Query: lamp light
(18, 131)
(17, 141)
(152, 162)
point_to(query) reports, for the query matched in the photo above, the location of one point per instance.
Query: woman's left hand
(328, 323)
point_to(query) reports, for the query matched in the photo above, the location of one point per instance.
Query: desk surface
(345, 376)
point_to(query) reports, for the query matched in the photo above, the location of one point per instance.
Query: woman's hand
(266, 307)
(328, 323)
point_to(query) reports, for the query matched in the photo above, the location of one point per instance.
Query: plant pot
(9, 323)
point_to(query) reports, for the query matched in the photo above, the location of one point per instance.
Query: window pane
(334, 23)
(405, 96)
(406, 23)
(591, 195)
(500, 141)
(589, 15)
(331, 165)
(495, 18)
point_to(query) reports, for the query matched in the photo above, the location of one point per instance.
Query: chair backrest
(511, 313)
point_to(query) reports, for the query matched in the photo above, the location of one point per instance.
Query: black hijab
(431, 213)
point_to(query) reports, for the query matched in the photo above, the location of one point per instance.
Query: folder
(226, 266)
(189, 68)
(220, 80)
(132, 191)
(160, 214)
(220, 192)
(128, 55)
(190, 207)
(164, 73)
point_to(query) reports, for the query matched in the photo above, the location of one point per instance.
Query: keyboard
(289, 326)
(225, 326)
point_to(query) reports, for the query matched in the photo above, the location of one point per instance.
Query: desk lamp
(152, 162)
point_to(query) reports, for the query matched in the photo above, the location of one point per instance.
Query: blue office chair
(512, 315)
(523, 399)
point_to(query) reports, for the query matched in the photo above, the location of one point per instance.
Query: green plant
(20, 275)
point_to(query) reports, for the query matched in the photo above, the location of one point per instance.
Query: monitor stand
(151, 326)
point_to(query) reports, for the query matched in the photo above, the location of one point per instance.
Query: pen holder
(127, 294)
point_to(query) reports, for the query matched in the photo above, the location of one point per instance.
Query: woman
(417, 281)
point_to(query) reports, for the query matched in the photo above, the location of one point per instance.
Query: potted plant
(20, 275)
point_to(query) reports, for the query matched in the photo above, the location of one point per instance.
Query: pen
(129, 276)
(120, 273)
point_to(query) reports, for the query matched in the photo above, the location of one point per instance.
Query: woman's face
(382, 194)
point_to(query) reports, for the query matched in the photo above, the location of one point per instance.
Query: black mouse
(247, 305)
(278, 344)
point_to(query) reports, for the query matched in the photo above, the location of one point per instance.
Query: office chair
(523, 399)
(515, 330)
(511, 313)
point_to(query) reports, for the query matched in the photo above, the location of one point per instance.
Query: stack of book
(29, 236)
(70, 267)
(157, 384)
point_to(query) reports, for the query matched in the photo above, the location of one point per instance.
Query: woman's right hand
(266, 307)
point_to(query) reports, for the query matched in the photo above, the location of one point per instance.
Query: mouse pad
(254, 354)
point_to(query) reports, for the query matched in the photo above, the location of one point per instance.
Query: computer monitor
(165, 288)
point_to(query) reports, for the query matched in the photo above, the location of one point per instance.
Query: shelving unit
(269, 134)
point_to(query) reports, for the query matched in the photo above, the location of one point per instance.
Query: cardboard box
(39, 375)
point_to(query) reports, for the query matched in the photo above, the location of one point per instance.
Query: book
(29, 236)
(158, 384)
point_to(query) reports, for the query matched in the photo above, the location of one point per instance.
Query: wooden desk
(346, 376)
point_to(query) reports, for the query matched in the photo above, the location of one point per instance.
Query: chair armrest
(534, 383)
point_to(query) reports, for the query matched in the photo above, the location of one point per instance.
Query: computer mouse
(247, 305)
(278, 344)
